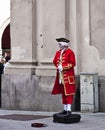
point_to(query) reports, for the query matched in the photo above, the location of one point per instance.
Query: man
(64, 61)
(1, 66)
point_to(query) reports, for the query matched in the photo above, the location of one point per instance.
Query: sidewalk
(89, 121)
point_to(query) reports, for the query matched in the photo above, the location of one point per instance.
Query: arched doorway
(5, 45)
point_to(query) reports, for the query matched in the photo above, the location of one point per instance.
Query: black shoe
(63, 112)
(68, 114)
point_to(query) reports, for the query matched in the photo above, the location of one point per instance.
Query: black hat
(7, 58)
(62, 40)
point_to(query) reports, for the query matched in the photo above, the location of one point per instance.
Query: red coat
(68, 62)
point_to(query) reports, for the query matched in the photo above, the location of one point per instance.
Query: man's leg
(67, 101)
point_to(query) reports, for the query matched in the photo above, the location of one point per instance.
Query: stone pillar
(71, 24)
(50, 25)
(23, 38)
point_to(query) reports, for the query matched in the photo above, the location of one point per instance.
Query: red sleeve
(71, 62)
(55, 60)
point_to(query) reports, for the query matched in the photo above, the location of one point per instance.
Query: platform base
(61, 118)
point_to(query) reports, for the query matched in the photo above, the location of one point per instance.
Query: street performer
(64, 61)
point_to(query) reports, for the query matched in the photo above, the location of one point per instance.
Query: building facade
(35, 24)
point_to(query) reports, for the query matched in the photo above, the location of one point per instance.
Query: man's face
(61, 46)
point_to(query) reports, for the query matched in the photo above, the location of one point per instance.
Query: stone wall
(31, 92)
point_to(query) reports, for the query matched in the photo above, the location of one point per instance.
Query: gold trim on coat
(67, 67)
(64, 82)
(71, 78)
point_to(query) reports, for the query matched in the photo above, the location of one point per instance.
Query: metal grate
(22, 117)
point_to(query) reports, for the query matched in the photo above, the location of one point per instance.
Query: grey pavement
(89, 121)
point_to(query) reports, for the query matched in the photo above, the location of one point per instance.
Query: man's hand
(60, 68)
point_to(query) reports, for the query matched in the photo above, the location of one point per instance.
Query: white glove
(60, 68)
